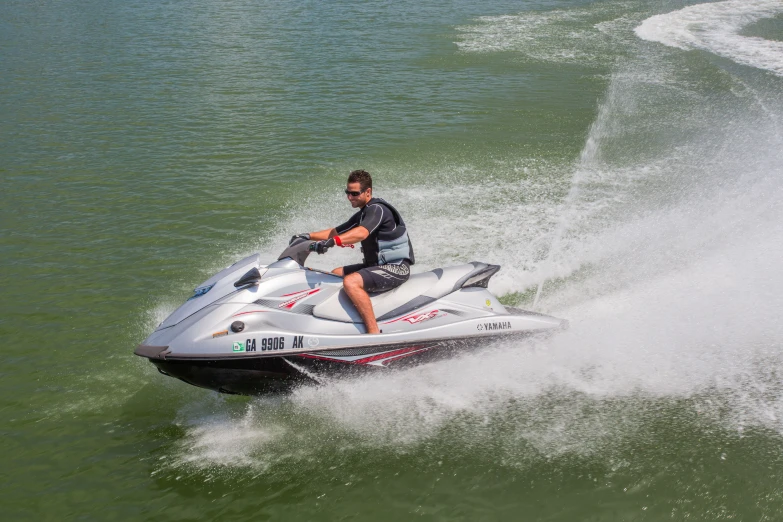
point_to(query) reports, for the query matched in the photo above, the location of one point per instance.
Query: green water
(145, 145)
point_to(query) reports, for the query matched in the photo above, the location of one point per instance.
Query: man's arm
(353, 232)
(355, 235)
(373, 215)
(350, 232)
(322, 235)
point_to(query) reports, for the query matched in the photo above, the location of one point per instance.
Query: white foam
(714, 27)
(224, 439)
(579, 35)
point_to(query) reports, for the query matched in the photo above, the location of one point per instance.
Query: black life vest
(388, 246)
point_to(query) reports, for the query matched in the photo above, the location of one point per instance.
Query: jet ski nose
(150, 352)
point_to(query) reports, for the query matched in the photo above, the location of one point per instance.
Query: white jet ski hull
(254, 328)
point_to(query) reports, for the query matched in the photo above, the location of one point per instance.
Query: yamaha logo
(486, 327)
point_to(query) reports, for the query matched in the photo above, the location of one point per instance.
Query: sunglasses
(354, 193)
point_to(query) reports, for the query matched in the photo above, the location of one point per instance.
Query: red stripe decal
(385, 355)
(417, 317)
(403, 356)
(298, 297)
(301, 292)
(393, 354)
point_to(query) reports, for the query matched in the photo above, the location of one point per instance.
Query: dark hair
(362, 177)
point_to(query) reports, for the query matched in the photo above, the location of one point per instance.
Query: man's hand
(298, 236)
(322, 246)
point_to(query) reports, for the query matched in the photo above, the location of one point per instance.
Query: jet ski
(255, 328)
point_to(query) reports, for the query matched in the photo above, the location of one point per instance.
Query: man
(388, 253)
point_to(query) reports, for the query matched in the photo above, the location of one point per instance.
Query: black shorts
(380, 278)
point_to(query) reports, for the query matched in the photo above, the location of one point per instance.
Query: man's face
(362, 199)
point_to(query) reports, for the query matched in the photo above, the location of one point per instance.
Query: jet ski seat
(417, 291)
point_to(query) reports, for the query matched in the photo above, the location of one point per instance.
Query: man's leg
(354, 287)
(372, 279)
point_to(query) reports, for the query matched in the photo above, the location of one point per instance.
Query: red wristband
(338, 241)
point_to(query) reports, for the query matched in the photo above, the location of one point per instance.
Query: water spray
(588, 156)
